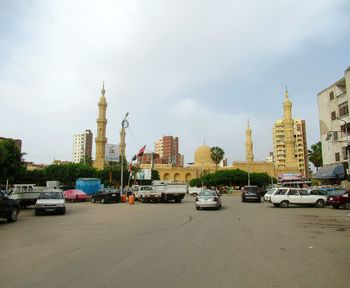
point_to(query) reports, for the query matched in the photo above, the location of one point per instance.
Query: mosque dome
(202, 156)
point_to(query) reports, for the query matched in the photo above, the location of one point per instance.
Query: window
(337, 157)
(335, 135)
(345, 154)
(331, 95)
(293, 192)
(345, 128)
(333, 115)
(281, 192)
(343, 109)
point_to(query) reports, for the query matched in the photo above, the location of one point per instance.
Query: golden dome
(202, 156)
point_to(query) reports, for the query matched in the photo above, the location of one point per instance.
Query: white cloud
(157, 58)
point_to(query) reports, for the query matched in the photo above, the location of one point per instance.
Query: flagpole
(125, 124)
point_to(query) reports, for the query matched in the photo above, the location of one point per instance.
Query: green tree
(87, 160)
(315, 155)
(12, 165)
(217, 154)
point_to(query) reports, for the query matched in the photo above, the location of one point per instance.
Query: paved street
(174, 245)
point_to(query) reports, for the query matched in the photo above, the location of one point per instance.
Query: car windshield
(336, 192)
(270, 191)
(251, 189)
(207, 193)
(50, 195)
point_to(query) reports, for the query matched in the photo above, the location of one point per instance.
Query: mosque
(202, 156)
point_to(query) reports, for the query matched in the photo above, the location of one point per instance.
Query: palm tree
(315, 154)
(217, 154)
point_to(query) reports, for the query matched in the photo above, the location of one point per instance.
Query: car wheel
(13, 216)
(93, 200)
(198, 208)
(243, 199)
(335, 206)
(276, 205)
(63, 211)
(36, 212)
(347, 205)
(259, 200)
(284, 204)
(103, 201)
(319, 203)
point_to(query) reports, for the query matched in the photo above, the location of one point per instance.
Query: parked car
(332, 190)
(50, 201)
(251, 193)
(208, 199)
(107, 195)
(270, 192)
(296, 196)
(194, 191)
(9, 208)
(75, 195)
(339, 199)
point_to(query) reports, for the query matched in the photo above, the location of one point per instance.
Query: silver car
(208, 199)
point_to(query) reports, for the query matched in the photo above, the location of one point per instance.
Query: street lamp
(125, 124)
(347, 140)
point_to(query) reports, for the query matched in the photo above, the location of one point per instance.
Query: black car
(9, 208)
(107, 195)
(251, 193)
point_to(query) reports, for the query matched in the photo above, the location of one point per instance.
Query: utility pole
(125, 124)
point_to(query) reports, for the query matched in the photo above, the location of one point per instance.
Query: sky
(196, 69)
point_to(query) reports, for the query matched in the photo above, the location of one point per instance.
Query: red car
(75, 195)
(339, 199)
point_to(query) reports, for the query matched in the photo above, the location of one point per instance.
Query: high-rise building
(168, 149)
(333, 111)
(82, 146)
(289, 141)
(101, 139)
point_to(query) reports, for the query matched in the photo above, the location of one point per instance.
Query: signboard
(290, 177)
(112, 153)
(144, 174)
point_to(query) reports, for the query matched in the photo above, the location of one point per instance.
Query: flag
(130, 167)
(133, 158)
(142, 150)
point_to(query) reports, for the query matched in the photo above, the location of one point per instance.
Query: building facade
(167, 148)
(333, 110)
(82, 146)
(289, 141)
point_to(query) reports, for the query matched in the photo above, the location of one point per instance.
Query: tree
(217, 154)
(315, 154)
(12, 165)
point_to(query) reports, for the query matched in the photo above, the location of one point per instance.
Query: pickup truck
(26, 194)
(171, 191)
(148, 194)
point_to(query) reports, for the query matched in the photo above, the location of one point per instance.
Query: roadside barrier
(131, 199)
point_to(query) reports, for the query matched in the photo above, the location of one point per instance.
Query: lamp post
(125, 124)
(347, 140)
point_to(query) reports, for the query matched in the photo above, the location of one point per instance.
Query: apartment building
(167, 147)
(82, 146)
(333, 110)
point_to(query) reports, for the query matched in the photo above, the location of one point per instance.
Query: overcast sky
(196, 69)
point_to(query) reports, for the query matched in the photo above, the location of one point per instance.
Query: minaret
(101, 139)
(289, 141)
(249, 144)
(122, 144)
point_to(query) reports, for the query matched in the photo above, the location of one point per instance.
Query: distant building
(60, 162)
(82, 146)
(168, 149)
(33, 166)
(17, 141)
(333, 111)
(269, 158)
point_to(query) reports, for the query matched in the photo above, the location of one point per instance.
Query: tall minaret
(289, 132)
(249, 144)
(122, 144)
(101, 139)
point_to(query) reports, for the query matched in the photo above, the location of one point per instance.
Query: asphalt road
(174, 245)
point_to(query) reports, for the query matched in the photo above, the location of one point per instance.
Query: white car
(283, 197)
(50, 201)
(271, 191)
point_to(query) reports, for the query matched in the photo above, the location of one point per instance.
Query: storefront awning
(334, 171)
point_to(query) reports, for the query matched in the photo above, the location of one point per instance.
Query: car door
(293, 196)
(4, 205)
